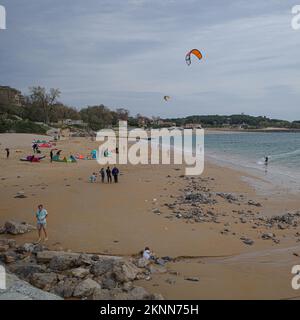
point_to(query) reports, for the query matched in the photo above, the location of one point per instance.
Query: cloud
(131, 53)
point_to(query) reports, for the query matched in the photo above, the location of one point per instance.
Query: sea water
(247, 150)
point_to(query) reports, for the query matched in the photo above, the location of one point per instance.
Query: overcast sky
(130, 53)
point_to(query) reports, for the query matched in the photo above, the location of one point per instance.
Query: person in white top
(147, 254)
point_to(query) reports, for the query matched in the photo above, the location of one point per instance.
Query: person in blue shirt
(115, 173)
(41, 216)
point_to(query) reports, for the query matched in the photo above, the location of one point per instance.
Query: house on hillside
(192, 126)
(11, 96)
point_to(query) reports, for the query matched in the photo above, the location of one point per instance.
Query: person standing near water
(266, 160)
(41, 216)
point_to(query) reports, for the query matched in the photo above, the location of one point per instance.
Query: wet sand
(119, 219)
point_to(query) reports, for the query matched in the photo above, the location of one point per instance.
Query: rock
(4, 248)
(156, 211)
(253, 203)
(10, 242)
(247, 241)
(142, 262)
(267, 236)
(63, 262)
(80, 272)
(20, 195)
(10, 257)
(102, 266)
(108, 283)
(127, 286)
(15, 228)
(125, 271)
(17, 289)
(26, 247)
(25, 270)
(2, 230)
(47, 256)
(138, 293)
(194, 279)
(156, 269)
(65, 288)
(227, 196)
(86, 288)
(156, 296)
(44, 281)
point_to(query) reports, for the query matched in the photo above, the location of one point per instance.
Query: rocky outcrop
(78, 275)
(17, 289)
(14, 227)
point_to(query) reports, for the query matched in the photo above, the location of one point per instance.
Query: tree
(122, 114)
(97, 117)
(41, 98)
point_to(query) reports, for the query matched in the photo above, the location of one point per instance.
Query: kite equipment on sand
(71, 159)
(32, 158)
(196, 53)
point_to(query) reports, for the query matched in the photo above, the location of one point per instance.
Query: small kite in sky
(166, 98)
(195, 52)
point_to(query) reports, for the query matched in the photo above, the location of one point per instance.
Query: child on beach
(93, 177)
(41, 216)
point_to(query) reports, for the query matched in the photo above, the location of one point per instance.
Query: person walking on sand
(35, 147)
(115, 173)
(7, 153)
(102, 173)
(51, 155)
(41, 216)
(108, 174)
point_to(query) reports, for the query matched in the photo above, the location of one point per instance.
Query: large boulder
(102, 266)
(25, 270)
(63, 262)
(86, 288)
(79, 272)
(47, 256)
(65, 288)
(44, 281)
(125, 271)
(14, 227)
(17, 289)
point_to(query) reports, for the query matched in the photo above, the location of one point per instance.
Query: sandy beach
(121, 219)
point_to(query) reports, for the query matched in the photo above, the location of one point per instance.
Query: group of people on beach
(108, 173)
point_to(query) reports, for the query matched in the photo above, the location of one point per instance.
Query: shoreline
(121, 219)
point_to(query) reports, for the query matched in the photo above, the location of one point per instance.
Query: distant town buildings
(11, 96)
(70, 122)
(192, 126)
